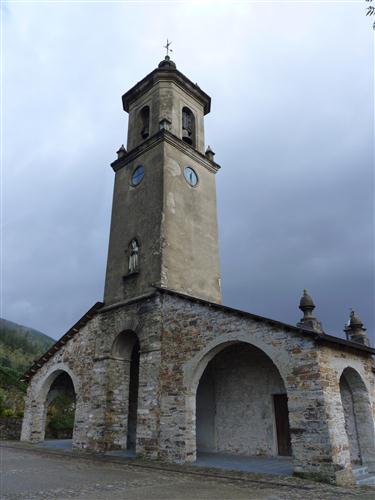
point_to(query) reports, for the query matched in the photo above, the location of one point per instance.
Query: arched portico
(241, 405)
(221, 381)
(123, 376)
(359, 422)
(59, 379)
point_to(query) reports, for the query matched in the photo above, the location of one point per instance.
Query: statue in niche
(133, 256)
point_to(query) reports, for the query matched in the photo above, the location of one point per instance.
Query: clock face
(190, 176)
(137, 175)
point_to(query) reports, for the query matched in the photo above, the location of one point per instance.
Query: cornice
(173, 75)
(168, 137)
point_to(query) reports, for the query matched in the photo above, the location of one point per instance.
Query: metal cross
(167, 47)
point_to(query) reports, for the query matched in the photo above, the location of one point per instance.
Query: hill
(19, 346)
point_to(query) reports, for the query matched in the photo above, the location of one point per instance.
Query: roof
(100, 307)
(319, 337)
(62, 341)
(166, 74)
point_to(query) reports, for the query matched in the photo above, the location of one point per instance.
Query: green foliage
(7, 412)
(19, 347)
(60, 417)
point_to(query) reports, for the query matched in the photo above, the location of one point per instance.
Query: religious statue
(133, 256)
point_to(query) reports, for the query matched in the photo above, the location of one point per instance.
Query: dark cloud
(291, 124)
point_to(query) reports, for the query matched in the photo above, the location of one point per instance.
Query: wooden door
(280, 402)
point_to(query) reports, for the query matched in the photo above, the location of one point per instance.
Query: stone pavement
(34, 473)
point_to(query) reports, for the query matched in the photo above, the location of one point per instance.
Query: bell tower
(164, 221)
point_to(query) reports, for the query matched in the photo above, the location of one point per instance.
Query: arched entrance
(241, 405)
(359, 423)
(60, 408)
(124, 388)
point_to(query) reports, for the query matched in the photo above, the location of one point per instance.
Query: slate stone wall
(178, 337)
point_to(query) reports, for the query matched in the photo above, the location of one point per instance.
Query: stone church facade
(161, 367)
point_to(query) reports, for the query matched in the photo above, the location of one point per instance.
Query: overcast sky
(291, 125)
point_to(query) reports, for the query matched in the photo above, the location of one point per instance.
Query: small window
(137, 175)
(188, 126)
(145, 122)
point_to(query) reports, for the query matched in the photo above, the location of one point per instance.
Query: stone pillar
(117, 403)
(34, 420)
(96, 425)
(148, 414)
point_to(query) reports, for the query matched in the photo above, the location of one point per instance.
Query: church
(161, 367)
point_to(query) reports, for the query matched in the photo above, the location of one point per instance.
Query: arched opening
(126, 354)
(359, 423)
(241, 405)
(60, 405)
(188, 126)
(144, 122)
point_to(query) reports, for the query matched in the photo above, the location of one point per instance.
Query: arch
(359, 422)
(123, 389)
(195, 367)
(60, 406)
(144, 116)
(123, 344)
(40, 396)
(240, 408)
(43, 385)
(188, 126)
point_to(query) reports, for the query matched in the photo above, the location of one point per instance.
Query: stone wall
(240, 383)
(350, 421)
(178, 339)
(10, 428)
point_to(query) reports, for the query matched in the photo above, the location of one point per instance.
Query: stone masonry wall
(193, 333)
(333, 364)
(243, 381)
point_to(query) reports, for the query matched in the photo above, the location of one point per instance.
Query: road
(35, 474)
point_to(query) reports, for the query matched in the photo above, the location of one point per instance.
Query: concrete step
(360, 471)
(366, 479)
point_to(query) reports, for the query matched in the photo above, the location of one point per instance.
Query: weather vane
(167, 47)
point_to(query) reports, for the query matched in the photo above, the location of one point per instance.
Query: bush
(7, 412)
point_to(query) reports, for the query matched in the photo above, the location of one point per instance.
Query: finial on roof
(209, 153)
(167, 63)
(121, 152)
(306, 304)
(354, 329)
(168, 44)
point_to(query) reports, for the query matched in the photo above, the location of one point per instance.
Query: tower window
(188, 126)
(145, 122)
(138, 175)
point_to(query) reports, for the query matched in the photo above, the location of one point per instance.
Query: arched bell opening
(60, 406)
(188, 126)
(144, 122)
(359, 422)
(241, 405)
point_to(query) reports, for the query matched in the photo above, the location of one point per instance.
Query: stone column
(96, 424)
(117, 403)
(34, 420)
(148, 414)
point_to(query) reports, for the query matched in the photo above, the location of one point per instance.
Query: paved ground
(39, 474)
(263, 465)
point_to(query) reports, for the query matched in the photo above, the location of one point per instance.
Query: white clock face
(190, 176)
(137, 175)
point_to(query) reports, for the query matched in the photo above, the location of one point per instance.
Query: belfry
(161, 368)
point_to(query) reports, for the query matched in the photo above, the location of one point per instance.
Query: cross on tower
(167, 47)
